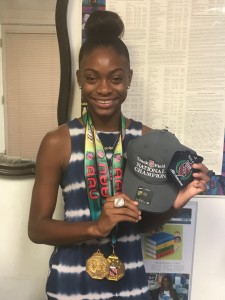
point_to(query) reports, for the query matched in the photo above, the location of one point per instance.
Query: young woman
(97, 246)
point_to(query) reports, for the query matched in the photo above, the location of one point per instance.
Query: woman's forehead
(104, 55)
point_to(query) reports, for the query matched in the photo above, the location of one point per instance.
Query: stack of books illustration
(159, 245)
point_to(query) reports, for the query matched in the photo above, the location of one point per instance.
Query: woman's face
(104, 77)
(165, 283)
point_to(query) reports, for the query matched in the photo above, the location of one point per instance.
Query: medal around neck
(97, 266)
(96, 168)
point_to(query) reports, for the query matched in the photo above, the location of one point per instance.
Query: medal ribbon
(102, 180)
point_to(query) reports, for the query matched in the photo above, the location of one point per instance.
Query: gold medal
(116, 268)
(97, 266)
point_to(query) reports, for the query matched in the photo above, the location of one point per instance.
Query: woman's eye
(117, 79)
(91, 79)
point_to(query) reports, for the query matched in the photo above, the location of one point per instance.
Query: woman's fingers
(121, 208)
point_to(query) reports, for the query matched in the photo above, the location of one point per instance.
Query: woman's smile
(105, 102)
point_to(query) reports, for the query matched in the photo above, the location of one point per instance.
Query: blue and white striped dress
(68, 279)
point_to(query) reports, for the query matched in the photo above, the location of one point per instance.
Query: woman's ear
(78, 77)
(130, 76)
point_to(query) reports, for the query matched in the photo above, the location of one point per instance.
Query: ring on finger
(119, 202)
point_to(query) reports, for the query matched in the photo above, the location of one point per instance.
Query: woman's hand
(197, 186)
(111, 215)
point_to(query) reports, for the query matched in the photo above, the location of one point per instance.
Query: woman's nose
(104, 87)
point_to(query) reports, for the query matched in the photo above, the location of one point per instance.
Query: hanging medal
(97, 265)
(102, 182)
(116, 267)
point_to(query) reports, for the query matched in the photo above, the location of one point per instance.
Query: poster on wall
(168, 254)
(177, 51)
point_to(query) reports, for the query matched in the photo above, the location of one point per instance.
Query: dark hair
(173, 292)
(104, 29)
(169, 279)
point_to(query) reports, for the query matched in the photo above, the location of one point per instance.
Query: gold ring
(119, 202)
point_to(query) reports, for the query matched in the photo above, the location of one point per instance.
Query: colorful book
(160, 238)
(160, 255)
(161, 246)
(149, 249)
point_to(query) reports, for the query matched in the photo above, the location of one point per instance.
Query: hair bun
(104, 23)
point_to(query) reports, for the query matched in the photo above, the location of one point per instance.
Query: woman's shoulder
(57, 136)
(76, 123)
(55, 140)
(55, 146)
(61, 134)
(145, 129)
(131, 123)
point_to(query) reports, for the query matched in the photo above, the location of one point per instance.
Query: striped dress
(68, 279)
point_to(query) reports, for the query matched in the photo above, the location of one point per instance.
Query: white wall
(209, 253)
(23, 265)
(74, 31)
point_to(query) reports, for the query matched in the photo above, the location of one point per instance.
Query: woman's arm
(52, 158)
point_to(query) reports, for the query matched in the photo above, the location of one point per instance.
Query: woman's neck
(107, 124)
